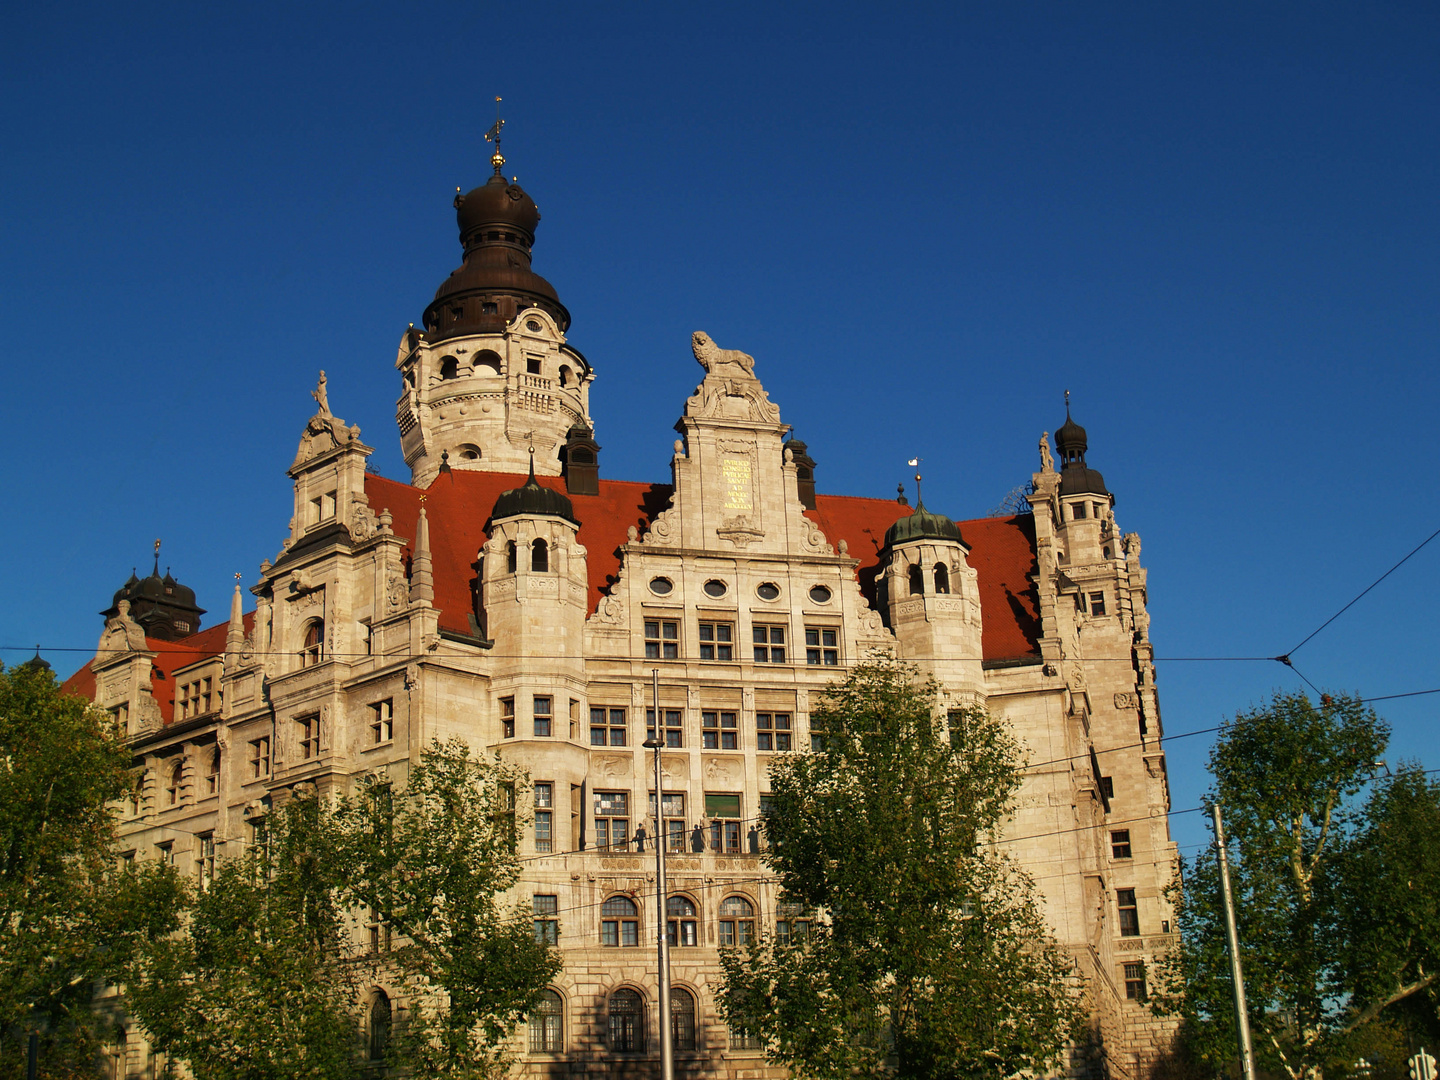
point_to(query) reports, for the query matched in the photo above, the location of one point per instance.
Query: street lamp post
(655, 742)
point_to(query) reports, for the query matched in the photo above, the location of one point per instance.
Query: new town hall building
(514, 596)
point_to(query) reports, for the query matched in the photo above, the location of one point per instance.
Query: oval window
(533, 325)
(820, 594)
(661, 586)
(715, 588)
(768, 591)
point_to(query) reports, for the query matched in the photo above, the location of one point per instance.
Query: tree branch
(1376, 1007)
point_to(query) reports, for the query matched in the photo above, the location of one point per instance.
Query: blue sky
(1216, 224)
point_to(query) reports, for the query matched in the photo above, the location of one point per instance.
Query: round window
(768, 591)
(820, 594)
(533, 325)
(661, 586)
(714, 587)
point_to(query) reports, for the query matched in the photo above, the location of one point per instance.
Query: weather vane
(914, 463)
(493, 135)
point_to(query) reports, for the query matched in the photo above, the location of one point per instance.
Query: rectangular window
(822, 646)
(547, 922)
(672, 725)
(723, 810)
(507, 718)
(309, 731)
(673, 811)
(607, 727)
(1120, 843)
(1129, 913)
(717, 641)
(719, 731)
(1135, 981)
(205, 859)
(1077, 511)
(662, 640)
(791, 927)
(166, 851)
(544, 823)
(741, 1039)
(769, 644)
(574, 718)
(504, 817)
(1099, 509)
(377, 931)
(772, 731)
(1107, 785)
(540, 710)
(1097, 603)
(259, 758)
(612, 820)
(189, 700)
(382, 721)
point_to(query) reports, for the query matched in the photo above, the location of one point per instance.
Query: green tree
(258, 985)
(70, 913)
(928, 956)
(429, 860)
(1286, 777)
(1388, 909)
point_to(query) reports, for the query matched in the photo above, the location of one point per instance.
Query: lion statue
(713, 358)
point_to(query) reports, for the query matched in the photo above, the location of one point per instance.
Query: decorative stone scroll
(1127, 701)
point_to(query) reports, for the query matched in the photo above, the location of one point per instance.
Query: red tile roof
(458, 506)
(1002, 552)
(171, 657)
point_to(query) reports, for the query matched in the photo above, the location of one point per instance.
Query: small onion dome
(1070, 439)
(126, 591)
(499, 204)
(921, 524)
(1076, 478)
(532, 500)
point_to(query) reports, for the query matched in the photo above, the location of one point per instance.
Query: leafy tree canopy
(928, 956)
(1336, 876)
(70, 913)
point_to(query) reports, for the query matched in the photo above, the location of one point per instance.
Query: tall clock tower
(491, 374)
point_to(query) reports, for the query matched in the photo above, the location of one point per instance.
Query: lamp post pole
(655, 742)
(1242, 1017)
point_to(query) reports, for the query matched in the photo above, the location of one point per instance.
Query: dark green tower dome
(922, 525)
(532, 500)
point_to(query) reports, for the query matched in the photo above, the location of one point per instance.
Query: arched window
(510, 557)
(485, 362)
(682, 1019)
(539, 556)
(313, 651)
(212, 776)
(942, 579)
(681, 924)
(737, 922)
(627, 1022)
(547, 1031)
(378, 1025)
(917, 580)
(565, 376)
(172, 785)
(619, 922)
(449, 368)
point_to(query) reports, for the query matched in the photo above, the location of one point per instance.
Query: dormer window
(322, 508)
(313, 651)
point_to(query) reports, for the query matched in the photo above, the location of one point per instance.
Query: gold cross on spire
(493, 135)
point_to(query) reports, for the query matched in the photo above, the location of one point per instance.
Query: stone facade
(395, 614)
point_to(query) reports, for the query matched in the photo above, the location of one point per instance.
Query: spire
(235, 634)
(422, 579)
(493, 135)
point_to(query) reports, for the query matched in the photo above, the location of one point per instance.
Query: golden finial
(493, 135)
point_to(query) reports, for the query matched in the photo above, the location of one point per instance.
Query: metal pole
(667, 1050)
(1242, 1017)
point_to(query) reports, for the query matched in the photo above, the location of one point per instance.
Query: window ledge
(388, 743)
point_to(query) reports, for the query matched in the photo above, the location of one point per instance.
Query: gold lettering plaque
(737, 483)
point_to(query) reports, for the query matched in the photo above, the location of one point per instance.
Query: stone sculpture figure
(717, 360)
